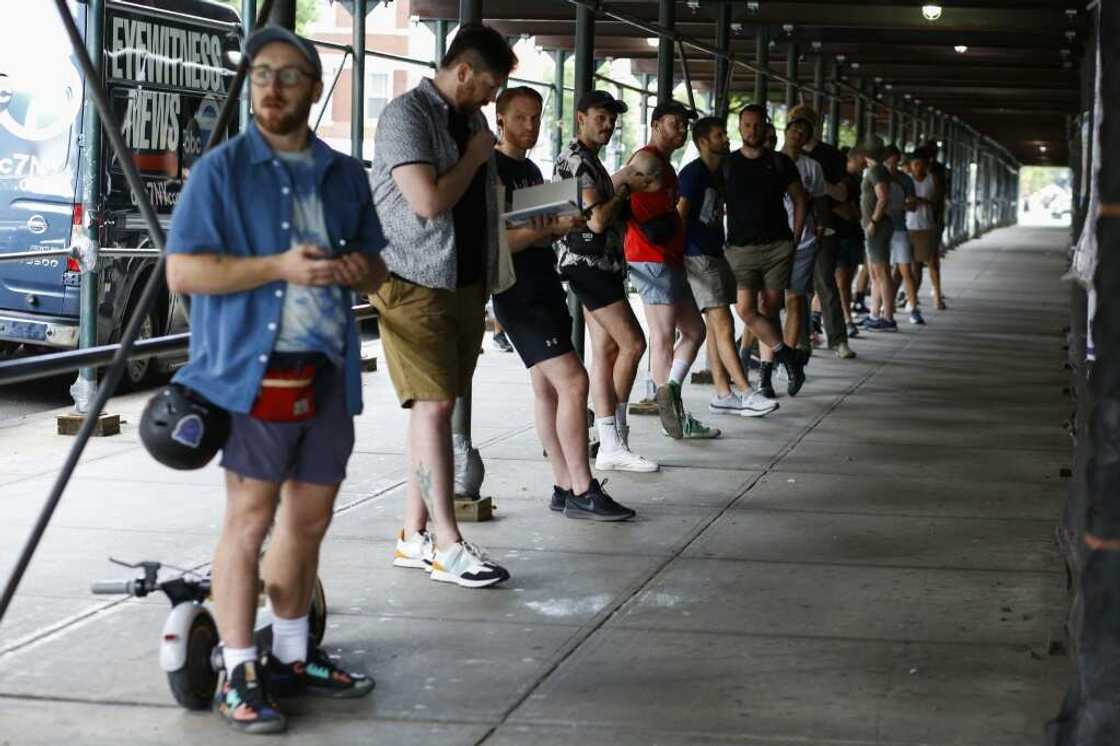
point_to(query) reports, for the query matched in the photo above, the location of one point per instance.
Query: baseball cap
(268, 34)
(601, 100)
(671, 107)
(804, 113)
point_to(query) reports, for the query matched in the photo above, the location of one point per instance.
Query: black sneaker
(793, 360)
(318, 676)
(596, 505)
(559, 499)
(501, 341)
(766, 380)
(244, 701)
(815, 323)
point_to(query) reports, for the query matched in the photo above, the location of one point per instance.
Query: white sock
(620, 416)
(234, 657)
(289, 638)
(679, 371)
(608, 434)
(873, 317)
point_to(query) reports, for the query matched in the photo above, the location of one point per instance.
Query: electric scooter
(190, 651)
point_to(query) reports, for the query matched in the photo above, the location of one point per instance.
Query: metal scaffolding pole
(283, 14)
(834, 103)
(584, 82)
(859, 120)
(762, 60)
(818, 84)
(559, 56)
(441, 27)
(470, 11)
(666, 19)
(248, 20)
(723, 67)
(892, 133)
(84, 388)
(792, 53)
(358, 81)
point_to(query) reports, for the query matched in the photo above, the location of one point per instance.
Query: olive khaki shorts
(431, 338)
(712, 281)
(925, 246)
(764, 266)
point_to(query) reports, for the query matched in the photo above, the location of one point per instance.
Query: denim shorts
(804, 263)
(659, 284)
(314, 450)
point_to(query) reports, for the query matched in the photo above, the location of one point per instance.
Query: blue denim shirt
(238, 201)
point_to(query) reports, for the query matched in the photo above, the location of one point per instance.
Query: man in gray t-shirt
(878, 228)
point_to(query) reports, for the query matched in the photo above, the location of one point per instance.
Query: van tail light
(77, 221)
(72, 265)
(77, 237)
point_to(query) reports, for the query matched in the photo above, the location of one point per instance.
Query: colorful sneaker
(415, 552)
(318, 676)
(694, 429)
(559, 499)
(466, 565)
(243, 700)
(668, 409)
(596, 505)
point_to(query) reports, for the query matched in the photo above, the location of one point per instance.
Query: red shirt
(645, 206)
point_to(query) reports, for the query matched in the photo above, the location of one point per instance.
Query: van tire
(140, 373)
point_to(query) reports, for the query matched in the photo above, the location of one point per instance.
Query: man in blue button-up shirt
(272, 235)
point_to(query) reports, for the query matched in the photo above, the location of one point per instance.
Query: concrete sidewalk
(872, 564)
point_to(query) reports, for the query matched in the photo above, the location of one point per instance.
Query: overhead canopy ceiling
(1018, 81)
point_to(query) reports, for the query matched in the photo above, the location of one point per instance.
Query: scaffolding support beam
(666, 18)
(762, 60)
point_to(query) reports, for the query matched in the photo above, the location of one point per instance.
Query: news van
(167, 68)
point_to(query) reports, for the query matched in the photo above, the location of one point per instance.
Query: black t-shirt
(756, 189)
(833, 162)
(469, 212)
(847, 228)
(518, 174)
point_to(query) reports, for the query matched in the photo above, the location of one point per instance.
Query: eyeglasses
(288, 76)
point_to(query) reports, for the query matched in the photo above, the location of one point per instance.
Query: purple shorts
(315, 450)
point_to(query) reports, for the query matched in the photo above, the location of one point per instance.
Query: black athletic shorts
(594, 287)
(534, 312)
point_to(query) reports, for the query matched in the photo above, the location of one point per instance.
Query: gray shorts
(879, 245)
(659, 284)
(901, 251)
(711, 280)
(804, 263)
(315, 450)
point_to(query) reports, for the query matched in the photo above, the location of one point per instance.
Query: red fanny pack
(286, 395)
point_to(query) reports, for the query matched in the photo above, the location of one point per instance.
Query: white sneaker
(466, 565)
(756, 405)
(733, 403)
(623, 459)
(415, 552)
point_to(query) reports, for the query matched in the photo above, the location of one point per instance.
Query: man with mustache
(434, 182)
(534, 313)
(592, 262)
(655, 252)
(271, 236)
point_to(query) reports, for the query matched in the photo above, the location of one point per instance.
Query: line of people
(275, 235)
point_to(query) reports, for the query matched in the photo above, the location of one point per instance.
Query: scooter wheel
(317, 615)
(193, 685)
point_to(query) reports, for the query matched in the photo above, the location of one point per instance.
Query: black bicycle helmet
(182, 430)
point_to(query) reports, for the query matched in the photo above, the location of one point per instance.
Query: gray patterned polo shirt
(413, 129)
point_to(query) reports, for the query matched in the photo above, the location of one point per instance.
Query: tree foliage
(307, 11)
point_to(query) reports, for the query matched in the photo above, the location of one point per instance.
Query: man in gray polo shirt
(433, 183)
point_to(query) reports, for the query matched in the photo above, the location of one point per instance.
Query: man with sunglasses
(272, 235)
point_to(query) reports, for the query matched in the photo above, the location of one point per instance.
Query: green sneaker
(669, 409)
(696, 430)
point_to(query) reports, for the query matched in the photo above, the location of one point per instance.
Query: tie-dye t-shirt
(314, 318)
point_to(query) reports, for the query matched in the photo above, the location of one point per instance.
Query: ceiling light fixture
(1042, 148)
(653, 41)
(931, 12)
(961, 48)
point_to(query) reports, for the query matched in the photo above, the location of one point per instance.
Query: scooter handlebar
(114, 587)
